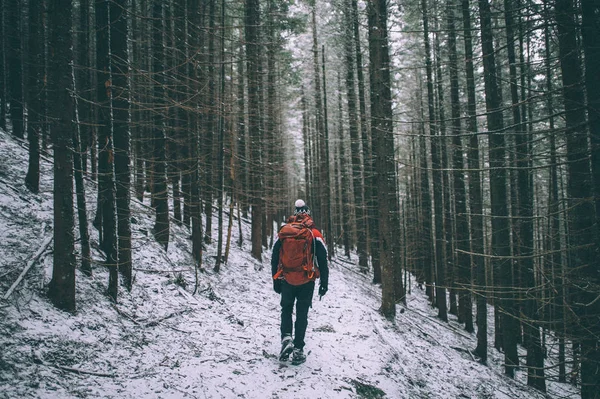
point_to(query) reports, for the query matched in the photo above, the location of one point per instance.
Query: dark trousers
(302, 295)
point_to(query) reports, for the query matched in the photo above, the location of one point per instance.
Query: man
(299, 258)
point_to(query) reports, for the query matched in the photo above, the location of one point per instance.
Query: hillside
(160, 341)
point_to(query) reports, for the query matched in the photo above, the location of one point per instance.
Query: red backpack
(296, 262)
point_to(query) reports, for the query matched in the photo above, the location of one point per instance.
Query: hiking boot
(287, 346)
(298, 357)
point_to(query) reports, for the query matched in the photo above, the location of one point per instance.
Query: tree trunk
(461, 238)
(83, 81)
(62, 286)
(327, 192)
(345, 180)
(252, 21)
(160, 187)
(583, 268)
(221, 144)
(35, 87)
(120, 103)
(15, 66)
(381, 122)
(208, 140)
(3, 70)
(106, 182)
(357, 178)
(591, 38)
(499, 211)
(440, 293)
(475, 191)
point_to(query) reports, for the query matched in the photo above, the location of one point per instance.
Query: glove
(277, 286)
(322, 289)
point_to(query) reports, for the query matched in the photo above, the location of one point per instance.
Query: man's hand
(322, 289)
(277, 286)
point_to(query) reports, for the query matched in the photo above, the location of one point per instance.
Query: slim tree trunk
(381, 114)
(3, 70)
(242, 174)
(499, 211)
(35, 87)
(475, 191)
(83, 80)
(440, 293)
(160, 187)
(211, 125)
(15, 66)
(370, 210)
(345, 180)
(106, 182)
(581, 230)
(221, 143)
(252, 21)
(78, 161)
(120, 102)
(524, 204)
(357, 178)
(591, 38)
(327, 193)
(81, 205)
(426, 243)
(62, 286)
(463, 263)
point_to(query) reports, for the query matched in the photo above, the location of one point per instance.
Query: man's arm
(275, 257)
(321, 253)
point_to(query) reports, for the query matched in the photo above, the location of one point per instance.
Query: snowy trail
(161, 341)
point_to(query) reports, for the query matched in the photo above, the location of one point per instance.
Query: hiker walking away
(299, 258)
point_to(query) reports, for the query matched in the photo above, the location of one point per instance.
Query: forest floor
(160, 341)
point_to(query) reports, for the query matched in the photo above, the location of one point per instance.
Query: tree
(357, 178)
(463, 264)
(106, 220)
(590, 11)
(252, 23)
(15, 66)
(62, 286)
(35, 87)
(435, 136)
(382, 127)
(3, 48)
(120, 104)
(475, 190)
(160, 187)
(581, 230)
(499, 209)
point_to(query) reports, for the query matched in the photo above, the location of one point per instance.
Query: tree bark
(475, 191)
(35, 87)
(499, 208)
(584, 267)
(106, 181)
(160, 187)
(381, 122)
(461, 238)
(252, 21)
(120, 103)
(357, 178)
(15, 66)
(62, 286)
(3, 70)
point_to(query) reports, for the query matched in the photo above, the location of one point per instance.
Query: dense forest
(457, 141)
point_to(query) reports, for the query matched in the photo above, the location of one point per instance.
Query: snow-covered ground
(160, 341)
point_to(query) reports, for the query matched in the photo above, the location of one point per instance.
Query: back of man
(299, 258)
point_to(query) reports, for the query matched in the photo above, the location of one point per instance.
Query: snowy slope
(161, 341)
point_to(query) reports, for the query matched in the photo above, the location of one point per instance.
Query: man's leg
(287, 307)
(303, 303)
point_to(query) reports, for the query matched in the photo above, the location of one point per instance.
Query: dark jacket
(321, 254)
